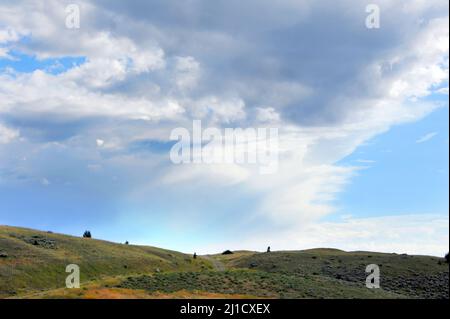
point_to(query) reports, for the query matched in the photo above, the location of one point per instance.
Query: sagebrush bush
(87, 234)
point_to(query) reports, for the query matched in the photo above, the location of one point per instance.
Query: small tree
(268, 249)
(195, 255)
(127, 243)
(87, 234)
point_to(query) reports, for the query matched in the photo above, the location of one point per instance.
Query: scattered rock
(40, 241)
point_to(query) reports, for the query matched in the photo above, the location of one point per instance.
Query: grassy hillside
(403, 275)
(318, 273)
(32, 265)
(34, 260)
(259, 284)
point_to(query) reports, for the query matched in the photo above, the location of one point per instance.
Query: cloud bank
(310, 68)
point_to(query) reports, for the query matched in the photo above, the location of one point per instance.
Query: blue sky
(410, 177)
(86, 116)
(25, 63)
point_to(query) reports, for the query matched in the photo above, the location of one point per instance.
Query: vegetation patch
(412, 276)
(38, 241)
(255, 283)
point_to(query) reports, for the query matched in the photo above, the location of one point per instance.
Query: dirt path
(218, 265)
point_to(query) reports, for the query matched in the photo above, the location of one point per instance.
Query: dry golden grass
(121, 293)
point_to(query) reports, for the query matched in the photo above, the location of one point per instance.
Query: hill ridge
(33, 264)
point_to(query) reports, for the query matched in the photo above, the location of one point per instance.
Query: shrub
(87, 234)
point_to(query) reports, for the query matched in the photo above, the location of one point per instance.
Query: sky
(87, 111)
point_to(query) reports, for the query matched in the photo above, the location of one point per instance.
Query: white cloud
(365, 161)
(149, 68)
(42, 93)
(443, 91)
(3, 53)
(267, 114)
(45, 182)
(197, 176)
(426, 137)
(413, 234)
(100, 142)
(8, 35)
(218, 111)
(7, 134)
(187, 72)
